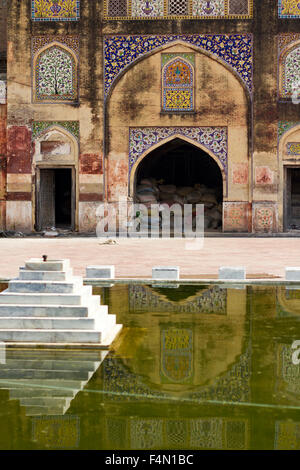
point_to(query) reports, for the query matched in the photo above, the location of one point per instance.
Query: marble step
(26, 275)
(49, 402)
(42, 384)
(45, 287)
(83, 356)
(36, 264)
(50, 336)
(43, 364)
(17, 393)
(81, 298)
(53, 311)
(23, 323)
(45, 410)
(44, 374)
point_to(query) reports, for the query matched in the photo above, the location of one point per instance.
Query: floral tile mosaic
(55, 68)
(55, 10)
(177, 83)
(236, 50)
(289, 66)
(289, 8)
(166, 9)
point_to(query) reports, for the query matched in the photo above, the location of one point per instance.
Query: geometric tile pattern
(235, 50)
(178, 85)
(289, 8)
(213, 138)
(55, 10)
(189, 9)
(40, 126)
(72, 42)
(236, 216)
(293, 148)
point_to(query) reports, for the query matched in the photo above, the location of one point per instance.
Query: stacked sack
(152, 191)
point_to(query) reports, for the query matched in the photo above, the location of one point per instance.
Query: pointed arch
(133, 172)
(55, 74)
(178, 85)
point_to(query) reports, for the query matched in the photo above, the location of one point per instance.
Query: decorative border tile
(235, 50)
(294, 9)
(75, 17)
(195, 10)
(41, 126)
(214, 139)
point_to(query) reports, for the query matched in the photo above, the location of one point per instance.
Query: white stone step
(36, 264)
(51, 336)
(45, 411)
(46, 299)
(45, 275)
(24, 323)
(17, 393)
(46, 401)
(44, 311)
(45, 287)
(82, 356)
(44, 374)
(55, 364)
(43, 384)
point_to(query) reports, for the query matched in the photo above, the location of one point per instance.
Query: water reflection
(199, 367)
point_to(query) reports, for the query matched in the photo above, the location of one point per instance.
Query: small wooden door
(45, 199)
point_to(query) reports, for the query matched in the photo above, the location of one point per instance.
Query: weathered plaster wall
(255, 197)
(22, 112)
(220, 100)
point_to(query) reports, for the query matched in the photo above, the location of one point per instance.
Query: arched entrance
(180, 172)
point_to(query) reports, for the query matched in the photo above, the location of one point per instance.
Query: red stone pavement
(135, 257)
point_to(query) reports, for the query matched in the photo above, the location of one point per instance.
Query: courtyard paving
(262, 257)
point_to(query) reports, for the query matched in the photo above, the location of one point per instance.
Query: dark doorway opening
(55, 195)
(293, 199)
(179, 172)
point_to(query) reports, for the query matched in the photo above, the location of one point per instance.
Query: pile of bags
(152, 191)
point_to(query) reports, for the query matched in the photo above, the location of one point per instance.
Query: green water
(198, 367)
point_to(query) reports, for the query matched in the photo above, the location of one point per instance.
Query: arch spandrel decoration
(177, 9)
(120, 52)
(55, 69)
(177, 85)
(212, 139)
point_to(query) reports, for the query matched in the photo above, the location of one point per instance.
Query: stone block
(234, 273)
(100, 272)
(292, 274)
(166, 273)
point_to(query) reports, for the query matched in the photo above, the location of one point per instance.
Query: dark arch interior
(182, 165)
